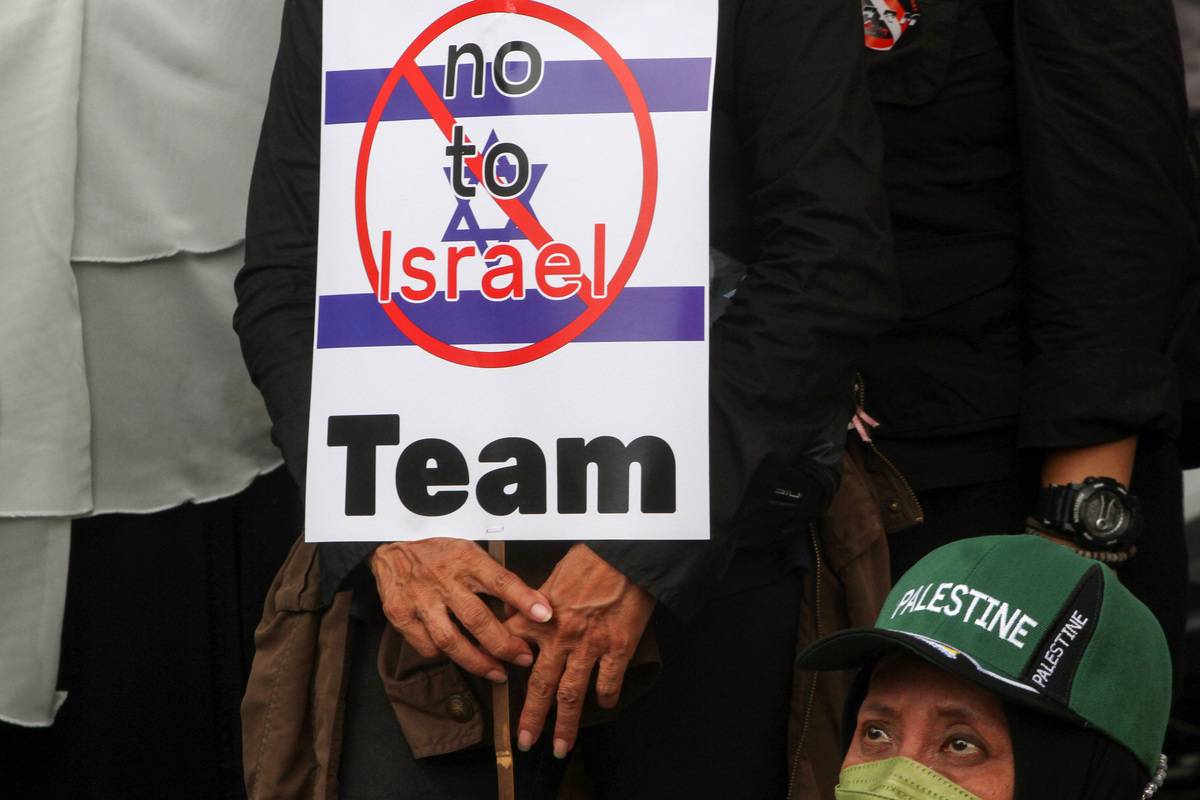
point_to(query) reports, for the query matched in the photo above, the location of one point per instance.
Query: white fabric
(153, 159)
(33, 574)
(175, 418)
(172, 102)
(45, 467)
(1187, 12)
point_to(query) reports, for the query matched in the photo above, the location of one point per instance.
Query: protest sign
(511, 337)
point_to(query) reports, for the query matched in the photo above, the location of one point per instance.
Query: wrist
(1097, 514)
(1111, 557)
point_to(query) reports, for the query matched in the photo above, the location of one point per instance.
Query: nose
(917, 749)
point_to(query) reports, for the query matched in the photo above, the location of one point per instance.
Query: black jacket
(795, 195)
(1042, 195)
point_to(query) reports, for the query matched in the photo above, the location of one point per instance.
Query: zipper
(860, 397)
(860, 400)
(912, 496)
(812, 689)
(861, 421)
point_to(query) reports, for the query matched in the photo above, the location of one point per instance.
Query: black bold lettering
(478, 70)
(612, 460)
(361, 435)
(428, 463)
(505, 190)
(532, 78)
(527, 477)
(458, 150)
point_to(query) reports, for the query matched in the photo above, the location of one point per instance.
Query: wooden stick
(501, 719)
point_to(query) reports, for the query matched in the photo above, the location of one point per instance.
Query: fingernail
(540, 612)
(523, 660)
(560, 748)
(497, 676)
(524, 741)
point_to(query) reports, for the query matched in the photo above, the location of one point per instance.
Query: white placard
(511, 336)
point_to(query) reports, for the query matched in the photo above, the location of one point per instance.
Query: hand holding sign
(600, 616)
(422, 583)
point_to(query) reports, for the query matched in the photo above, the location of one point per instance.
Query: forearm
(1074, 464)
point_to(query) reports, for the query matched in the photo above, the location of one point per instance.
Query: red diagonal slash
(406, 69)
(517, 211)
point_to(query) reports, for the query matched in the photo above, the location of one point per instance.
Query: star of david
(465, 227)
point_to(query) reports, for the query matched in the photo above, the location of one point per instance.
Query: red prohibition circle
(637, 103)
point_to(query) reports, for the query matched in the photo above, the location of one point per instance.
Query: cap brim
(855, 647)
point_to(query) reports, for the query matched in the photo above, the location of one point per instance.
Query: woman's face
(955, 728)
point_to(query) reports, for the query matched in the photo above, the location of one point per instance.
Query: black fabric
(1158, 574)
(1189, 390)
(1069, 643)
(950, 371)
(795, 152)
(1043, 203)
(957, 513)
(1186, 346)
(980, 457)
(713, 725)
(1055, 760)
(157, 644)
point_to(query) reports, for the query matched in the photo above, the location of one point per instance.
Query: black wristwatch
(1099, 514)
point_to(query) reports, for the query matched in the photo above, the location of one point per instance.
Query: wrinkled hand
(599, 615)
(422, 583)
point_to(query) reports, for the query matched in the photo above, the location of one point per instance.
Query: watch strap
(1052, 508)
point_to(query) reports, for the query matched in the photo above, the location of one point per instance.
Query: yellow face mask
(897, 779)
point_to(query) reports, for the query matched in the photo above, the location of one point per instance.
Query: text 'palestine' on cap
(1035, 623)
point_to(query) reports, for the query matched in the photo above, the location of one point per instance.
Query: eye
(875, 739)
(874, 733)
(962, 746)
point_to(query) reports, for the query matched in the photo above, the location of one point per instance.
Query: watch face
(1104, 516)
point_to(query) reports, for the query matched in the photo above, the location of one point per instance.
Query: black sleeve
(782, 356)
(796, 143)
(276, 287)
(1108, 188)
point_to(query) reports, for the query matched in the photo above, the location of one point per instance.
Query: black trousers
(157, 645)
(1157, 575)
(714, 725)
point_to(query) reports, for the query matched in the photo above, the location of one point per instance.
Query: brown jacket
(291, 714)
(292, 709)
(846, 589)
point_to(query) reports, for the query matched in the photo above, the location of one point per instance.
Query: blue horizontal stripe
(567, 87)
(638, 314)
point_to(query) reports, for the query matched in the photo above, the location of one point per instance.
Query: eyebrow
(957, 711)
(950, 710)
(882, 709)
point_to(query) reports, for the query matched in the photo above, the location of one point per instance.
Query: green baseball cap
(1035, 623)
